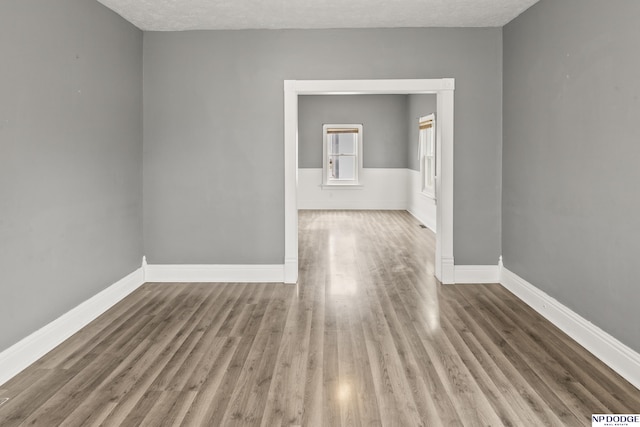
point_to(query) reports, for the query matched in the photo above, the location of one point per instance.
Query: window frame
(327, 182)
(427, 155)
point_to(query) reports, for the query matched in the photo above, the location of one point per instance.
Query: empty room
(319, 213)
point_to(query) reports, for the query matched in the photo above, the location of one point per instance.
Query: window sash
(342, 154)
(427, 156)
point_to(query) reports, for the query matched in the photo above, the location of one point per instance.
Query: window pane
(333, 143)
(342, 149)
(343, 143)
(342, 167)
(429, 138)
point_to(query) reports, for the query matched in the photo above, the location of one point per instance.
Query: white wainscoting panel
(622, 359)
(381, 189)
(420, 206)
(28, 350)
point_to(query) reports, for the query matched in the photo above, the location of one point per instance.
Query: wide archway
(443, 88)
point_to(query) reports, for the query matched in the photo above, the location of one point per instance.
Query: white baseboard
(448, 275)
(465, 274)
(291, 271)
(29, 349)
(359, 205)
(612, 352)
(232, 273)
(430, 223)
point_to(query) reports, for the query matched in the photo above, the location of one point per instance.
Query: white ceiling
(177, 15)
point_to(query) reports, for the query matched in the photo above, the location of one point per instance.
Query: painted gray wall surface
(213, 131)
(383, 118)
(417, 106)
(70, 156)
(570, 201)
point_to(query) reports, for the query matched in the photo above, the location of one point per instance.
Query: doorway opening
(442, 88)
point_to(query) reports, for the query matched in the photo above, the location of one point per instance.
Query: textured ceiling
(177, 15)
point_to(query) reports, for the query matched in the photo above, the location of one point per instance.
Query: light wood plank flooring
(367, 338)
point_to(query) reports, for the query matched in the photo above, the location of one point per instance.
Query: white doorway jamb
(443, 88)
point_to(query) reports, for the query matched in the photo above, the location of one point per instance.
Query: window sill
(342, 186)
(428, 196)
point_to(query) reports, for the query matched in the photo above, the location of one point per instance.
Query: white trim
(427, 196)
(443, 88)
(232, 273)
(425, 191)
(354, 183)
(291, 271)
(466, 274)
(430, 224)
(342, 186)
(144, 268)
(612, 352)
(29, 349)
(291, 180)
(357, 205)
(444, 185)
(448, 271)
(420, 206)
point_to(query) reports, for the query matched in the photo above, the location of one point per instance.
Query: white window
(427, 144)
(342, 154)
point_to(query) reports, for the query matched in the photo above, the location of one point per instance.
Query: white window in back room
(342, 154)
(427, 144)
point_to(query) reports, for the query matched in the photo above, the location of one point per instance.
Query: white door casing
(443, 88)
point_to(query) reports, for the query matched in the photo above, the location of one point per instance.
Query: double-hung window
(427, 144)
(342, 154)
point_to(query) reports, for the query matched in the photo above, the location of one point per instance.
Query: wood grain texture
(368, 337)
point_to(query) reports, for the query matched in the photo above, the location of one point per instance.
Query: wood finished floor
(367, 338)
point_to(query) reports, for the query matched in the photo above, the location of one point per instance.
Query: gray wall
(417, 106)
(571, 150)
(213, 131)
(70, 156)
(383, 119)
